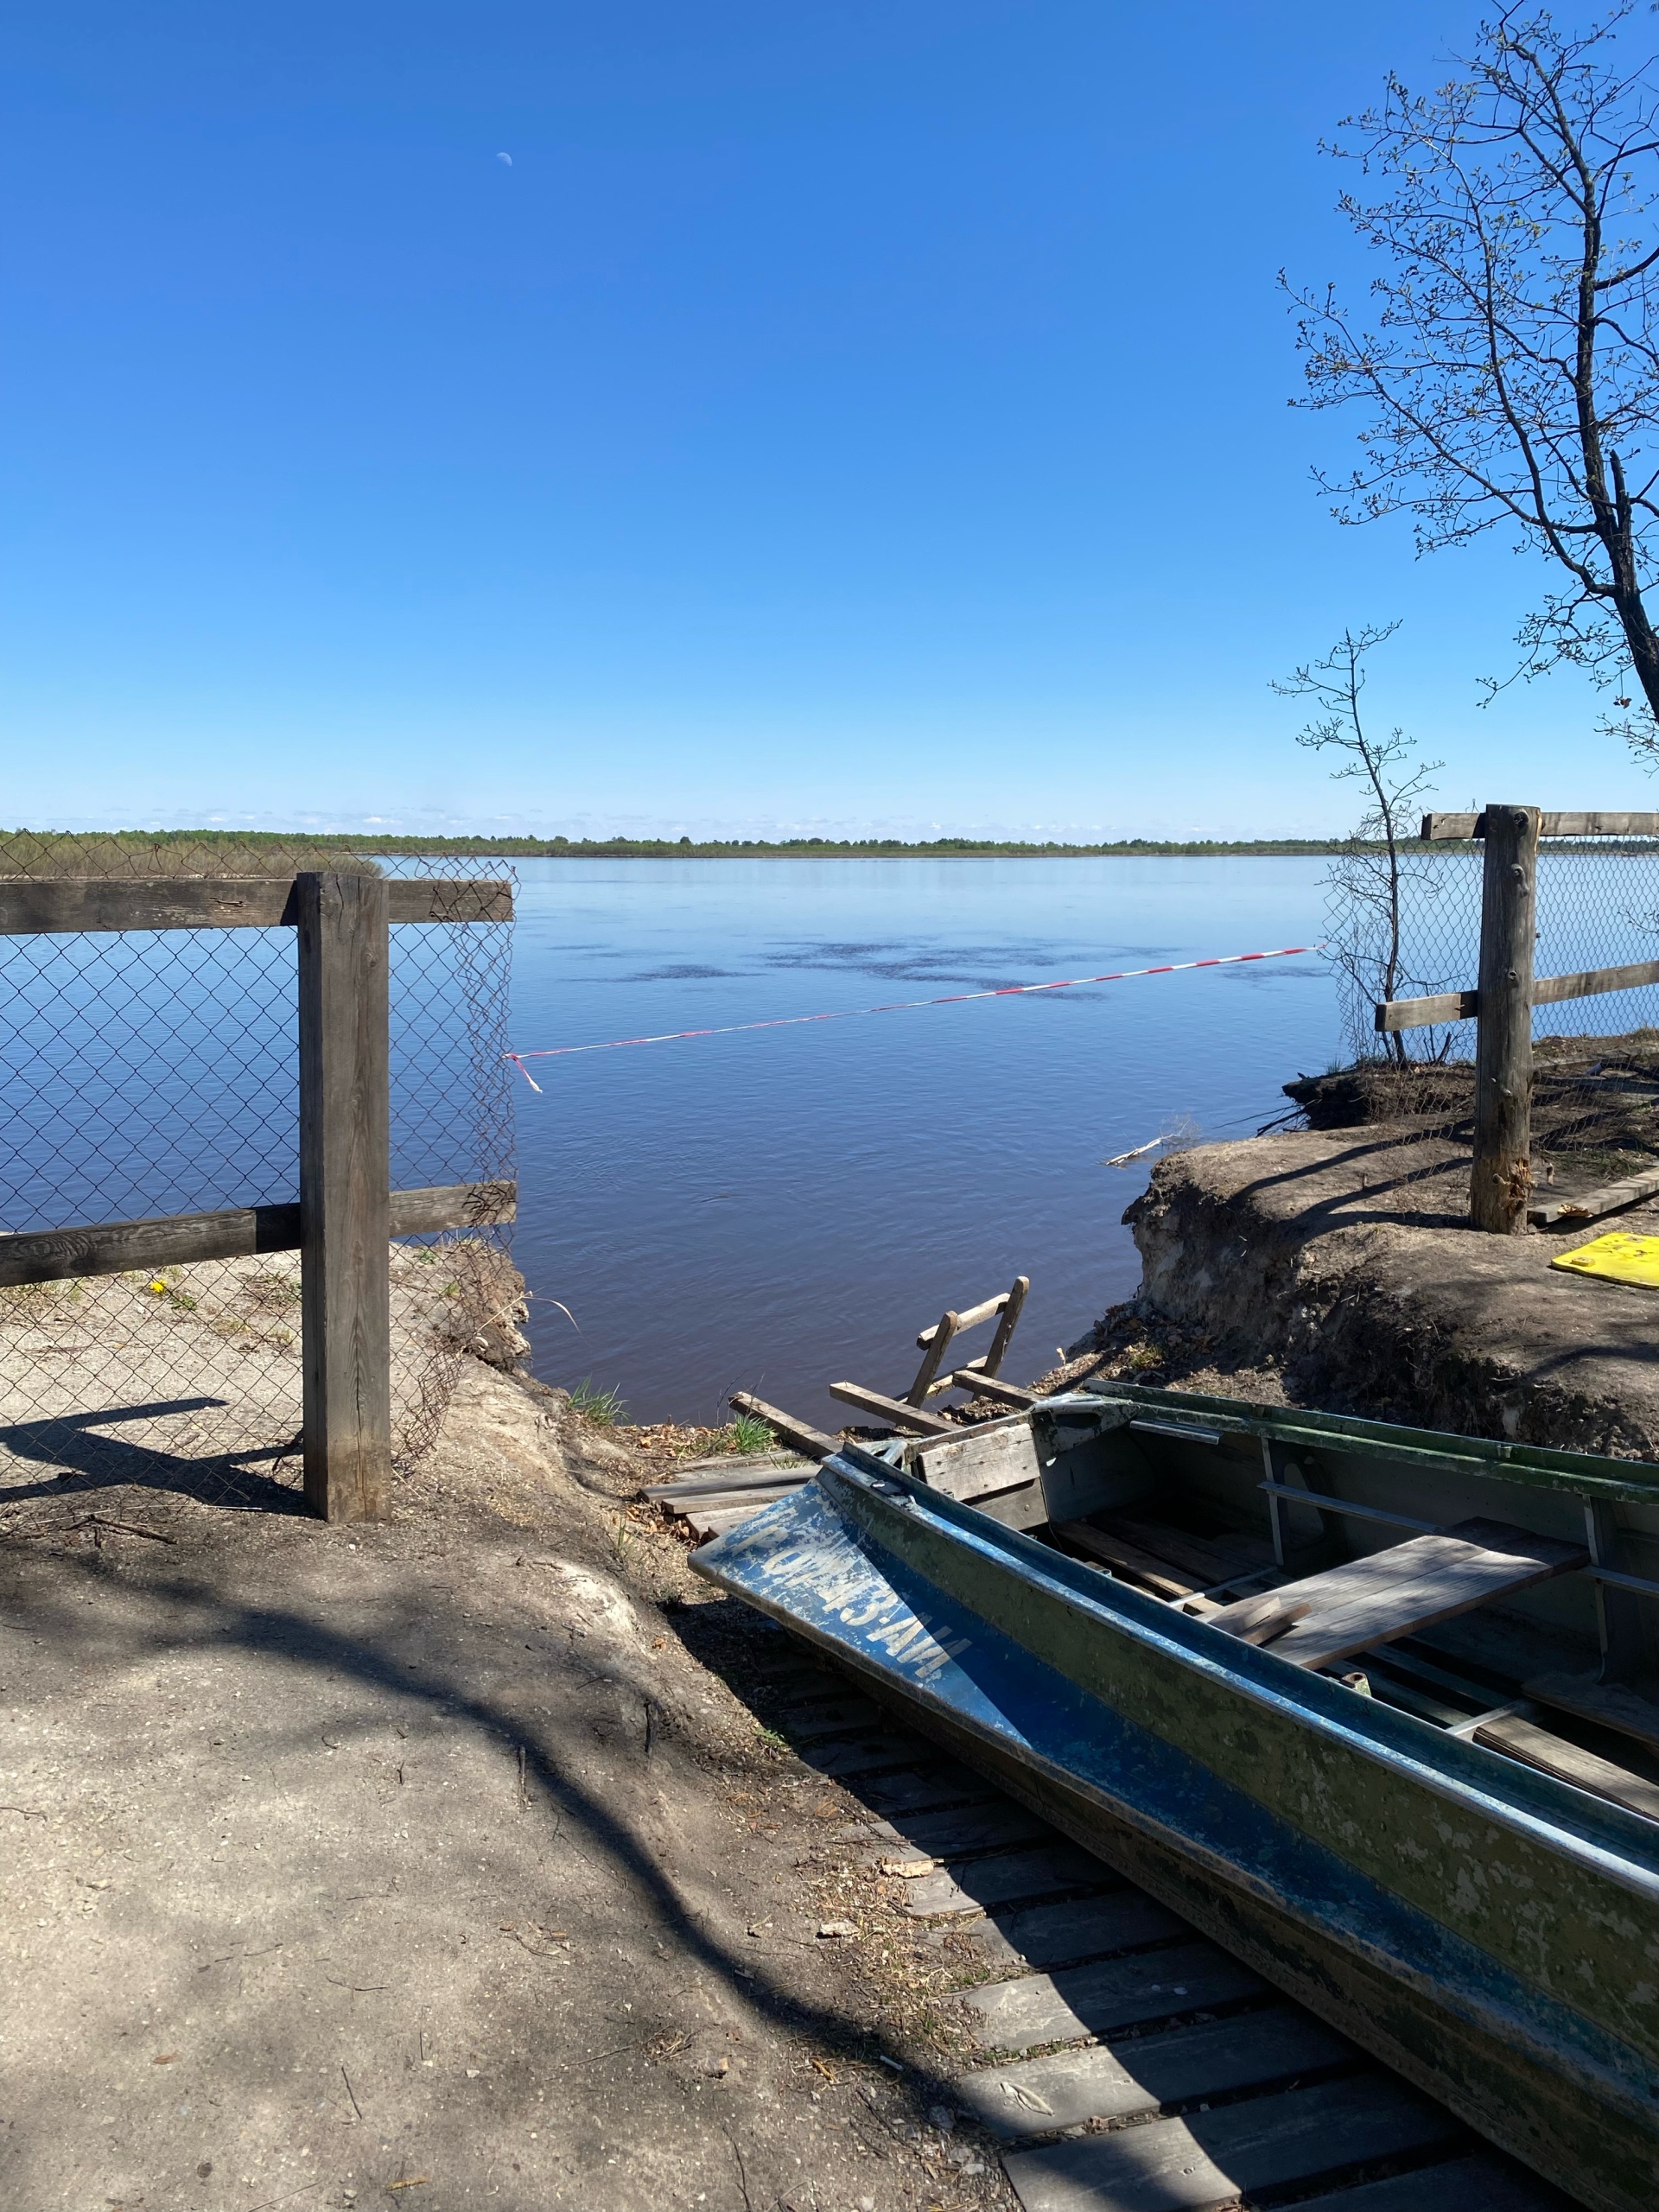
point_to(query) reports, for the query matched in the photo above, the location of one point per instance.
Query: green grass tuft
(749, 1433)
(603, 1408)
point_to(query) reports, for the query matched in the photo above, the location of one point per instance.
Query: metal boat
(1369, 1705)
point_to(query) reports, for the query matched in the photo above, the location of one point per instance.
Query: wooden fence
(347, 1215)
(1505, 993)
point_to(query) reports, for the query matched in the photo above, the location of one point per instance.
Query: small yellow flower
(158, 1287)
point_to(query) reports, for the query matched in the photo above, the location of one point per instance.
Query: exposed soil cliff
(1344, 1260)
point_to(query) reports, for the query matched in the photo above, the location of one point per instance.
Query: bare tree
(1366, 881)
(1510, 366)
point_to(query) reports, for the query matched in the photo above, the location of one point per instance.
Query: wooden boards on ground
(1214, 2157)
(1182, 2112)
(712, 1495)
(1069, 2087)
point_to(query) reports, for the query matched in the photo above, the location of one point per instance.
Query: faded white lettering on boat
(848, 1588)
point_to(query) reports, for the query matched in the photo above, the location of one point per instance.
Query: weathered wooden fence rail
(347, 1215)
(1500, 1197)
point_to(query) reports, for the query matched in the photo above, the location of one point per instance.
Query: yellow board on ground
(1616, 1257)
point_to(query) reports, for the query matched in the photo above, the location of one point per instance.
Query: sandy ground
(432, 1866)
(188, 1379)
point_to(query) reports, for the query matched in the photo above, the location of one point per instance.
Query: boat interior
(1502, 1593)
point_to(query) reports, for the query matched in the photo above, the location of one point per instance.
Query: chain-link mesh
(1596, 1060)
(156, 1072)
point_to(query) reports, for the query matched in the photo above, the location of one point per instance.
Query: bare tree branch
(1510, 370)
(1367, 948)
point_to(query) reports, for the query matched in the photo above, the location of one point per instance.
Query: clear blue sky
(835, 416)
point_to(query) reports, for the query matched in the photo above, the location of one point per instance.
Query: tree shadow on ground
(88, 1460)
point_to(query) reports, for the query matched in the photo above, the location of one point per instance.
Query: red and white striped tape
(900, 1006)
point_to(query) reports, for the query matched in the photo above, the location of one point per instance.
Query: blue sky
(838, 417)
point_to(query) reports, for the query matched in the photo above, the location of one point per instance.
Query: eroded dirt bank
(434, 1860)
(1334, 1267)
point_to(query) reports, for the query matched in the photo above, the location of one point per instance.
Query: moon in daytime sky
(507, 158)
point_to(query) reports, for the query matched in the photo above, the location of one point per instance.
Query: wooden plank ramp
(1129, 2064)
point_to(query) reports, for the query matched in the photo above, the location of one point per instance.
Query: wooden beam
(973, 1368)
(1592, 1204)
(447, 898)
(1551, 990)
(1421, 1013)
(894, 1410)
(692, 1501)
(773, 1482)
(1012, 1306)
(345, 1213)
(1501, 1180)
(1437, 828)
(970, 1319)
(937, 1341)
(812, 1442)
(1548, 990)
(992, 1386)
(49, 906)
(115, 1248)
(452, 1206)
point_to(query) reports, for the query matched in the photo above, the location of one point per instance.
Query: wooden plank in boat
(1118, 1551)
(1095, 2000)
(1535, 1746)
(1049, 1871)
(1477, 2185)
(1609, 1704)
(1206, 1559)
(973, 1463)
(1394, 1592)
(1041, 1936)
(1037, 2096)
(1212, 2157)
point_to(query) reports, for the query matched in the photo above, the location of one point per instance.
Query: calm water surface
(775, 1210)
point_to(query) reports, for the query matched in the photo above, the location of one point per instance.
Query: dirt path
(427, 1866)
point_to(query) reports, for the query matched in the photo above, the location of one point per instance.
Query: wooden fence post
(344, 1178)
(1501, 1183)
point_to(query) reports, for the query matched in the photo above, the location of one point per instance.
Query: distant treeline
(170, 848)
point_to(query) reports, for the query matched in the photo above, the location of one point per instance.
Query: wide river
(776, 1209)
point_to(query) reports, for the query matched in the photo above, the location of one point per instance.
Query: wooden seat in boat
(1394, 1594)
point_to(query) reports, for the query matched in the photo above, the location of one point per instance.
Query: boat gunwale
(1299, 1696)
(1590, 1475)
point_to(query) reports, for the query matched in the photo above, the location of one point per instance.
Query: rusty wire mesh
(1596, 1060)
(147, 1073)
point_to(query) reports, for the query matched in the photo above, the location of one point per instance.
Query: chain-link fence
(1596, 1060)
(145, 1073)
